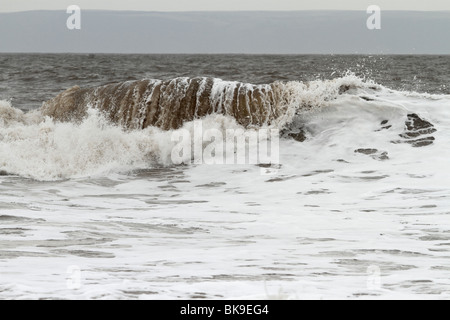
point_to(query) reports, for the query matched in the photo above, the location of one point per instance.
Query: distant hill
(226, 32)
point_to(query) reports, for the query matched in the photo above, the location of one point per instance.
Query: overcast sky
(212, 5)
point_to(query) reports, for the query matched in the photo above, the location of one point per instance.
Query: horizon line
(223, 11)
(226, 53)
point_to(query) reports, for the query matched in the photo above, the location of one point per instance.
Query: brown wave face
(168, 104)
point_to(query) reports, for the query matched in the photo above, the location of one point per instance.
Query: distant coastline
(230, 32)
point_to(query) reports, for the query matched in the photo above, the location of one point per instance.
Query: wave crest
(169, 104)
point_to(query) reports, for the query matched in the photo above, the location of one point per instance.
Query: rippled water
(346, 214)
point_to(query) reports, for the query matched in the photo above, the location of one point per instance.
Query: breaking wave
(169, 104)
(85, 132)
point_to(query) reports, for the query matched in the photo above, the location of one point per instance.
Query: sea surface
(358, 207)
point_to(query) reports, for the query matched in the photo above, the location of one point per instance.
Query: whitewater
(357, 207)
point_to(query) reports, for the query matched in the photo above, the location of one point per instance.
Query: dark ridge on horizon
(229, 32)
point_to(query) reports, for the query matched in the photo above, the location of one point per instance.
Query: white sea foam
(51, 150)
(320, 227)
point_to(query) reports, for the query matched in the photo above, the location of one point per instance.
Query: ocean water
(357, 207)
